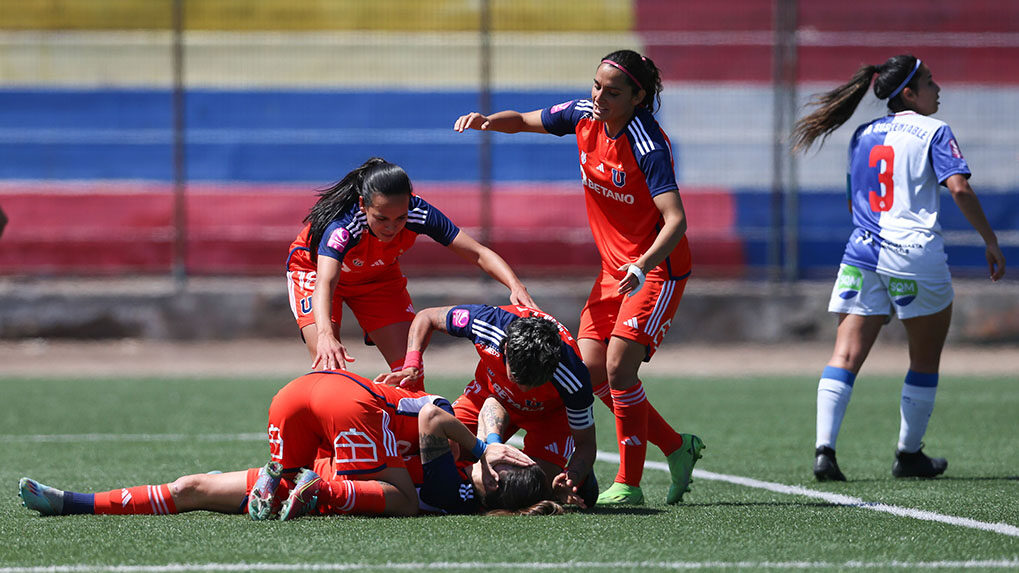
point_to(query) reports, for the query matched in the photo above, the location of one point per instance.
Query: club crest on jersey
(353, 446)
(338, 239)
(460, 317)
(306, 305)
(358, 262)
(618, 177)
(902, 291)
(849, 283)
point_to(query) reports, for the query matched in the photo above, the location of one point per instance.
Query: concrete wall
(226, 309)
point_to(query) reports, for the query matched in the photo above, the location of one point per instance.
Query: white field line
(477, 565)
(607, 457)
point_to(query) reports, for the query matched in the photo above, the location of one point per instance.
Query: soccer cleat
(917, 464)
(262, 502)
(42, 498)
(621, 494)
(681, 464)
(303, 496)
(825, 466)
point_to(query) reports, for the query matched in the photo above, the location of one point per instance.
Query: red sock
(351, 496)
(602, 391)
(659, 432)
(631, 409)
(139, 500)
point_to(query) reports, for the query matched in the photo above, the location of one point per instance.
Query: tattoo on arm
(432, 447)
(492, 418)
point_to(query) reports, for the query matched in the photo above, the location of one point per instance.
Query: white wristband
(635, 271)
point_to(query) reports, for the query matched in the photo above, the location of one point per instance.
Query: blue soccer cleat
(39, 497)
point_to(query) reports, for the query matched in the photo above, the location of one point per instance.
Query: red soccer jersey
(621, 177)
(569, 388)
(349, 240)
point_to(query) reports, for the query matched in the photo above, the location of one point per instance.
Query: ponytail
(370, 178)
(544, 507)
(835, 107)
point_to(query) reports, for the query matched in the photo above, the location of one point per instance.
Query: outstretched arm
(425, 323)
(969, 204)
(489, 261)
(330, 354)
(508, 121)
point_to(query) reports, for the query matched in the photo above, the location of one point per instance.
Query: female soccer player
(639, 225)
(519, 488)
(354, 235)
(895, 257)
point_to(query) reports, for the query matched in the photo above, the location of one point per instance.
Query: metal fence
(189, 136)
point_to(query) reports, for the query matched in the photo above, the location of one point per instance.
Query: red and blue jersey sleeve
(424, 219)
(653, 153)
(946, 157)
(342, 234)
(482, 324)
(561, 119)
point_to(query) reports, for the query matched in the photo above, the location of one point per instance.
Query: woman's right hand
(473, 120)
(330, 354)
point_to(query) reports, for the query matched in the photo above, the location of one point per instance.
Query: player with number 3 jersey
(895, 258)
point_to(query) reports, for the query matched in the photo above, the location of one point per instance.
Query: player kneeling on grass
(504, 480)
(530, 376)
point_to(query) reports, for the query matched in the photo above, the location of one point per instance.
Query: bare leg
(927, 336)
(212, 492)
(854, 339)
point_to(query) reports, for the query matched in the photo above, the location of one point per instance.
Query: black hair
(521, 491)
(373, 177)
(835, 107)
(532, 349)
(645, 71)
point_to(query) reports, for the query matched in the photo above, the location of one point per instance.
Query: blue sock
(76, 503)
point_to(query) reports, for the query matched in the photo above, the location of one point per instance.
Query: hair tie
(624, 70)
(902, 86)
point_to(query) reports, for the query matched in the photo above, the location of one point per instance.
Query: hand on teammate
(406, 378)
(521, 297)
(565, 490)
(500, 454)
(330, 354)
(473, 120)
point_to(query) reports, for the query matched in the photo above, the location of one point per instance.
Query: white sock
(915, 411)
(833, 393)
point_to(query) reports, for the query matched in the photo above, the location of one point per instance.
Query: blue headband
(902, 86)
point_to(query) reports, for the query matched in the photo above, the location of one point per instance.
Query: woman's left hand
(633, 281)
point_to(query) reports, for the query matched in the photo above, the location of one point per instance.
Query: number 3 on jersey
(879, 202)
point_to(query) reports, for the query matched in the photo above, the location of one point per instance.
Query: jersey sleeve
(425, 219)
(573, 382)
(445, 489)
(339, 237)
(658, 171)
(561, 119)
(480, 323)
(946, 157)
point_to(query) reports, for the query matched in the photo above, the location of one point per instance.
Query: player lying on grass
(530, 366)
(504, 481)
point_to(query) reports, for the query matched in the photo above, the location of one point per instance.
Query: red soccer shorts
(643, 318)
(548, 434)
(334, 412)
(376, 304)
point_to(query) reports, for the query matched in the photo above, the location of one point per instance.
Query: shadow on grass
(764, 504)
(939, 478)
(622, 510)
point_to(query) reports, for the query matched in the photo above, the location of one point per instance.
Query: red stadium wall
(117, 228)
(730, 41)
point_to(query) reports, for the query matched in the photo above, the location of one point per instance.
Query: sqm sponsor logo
(338, 239)
(560, 106)
(461, 317)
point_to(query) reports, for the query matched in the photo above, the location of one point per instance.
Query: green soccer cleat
(42, 498)
(681, 464)
(621, 494)
(303, 497)
(262, 502)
